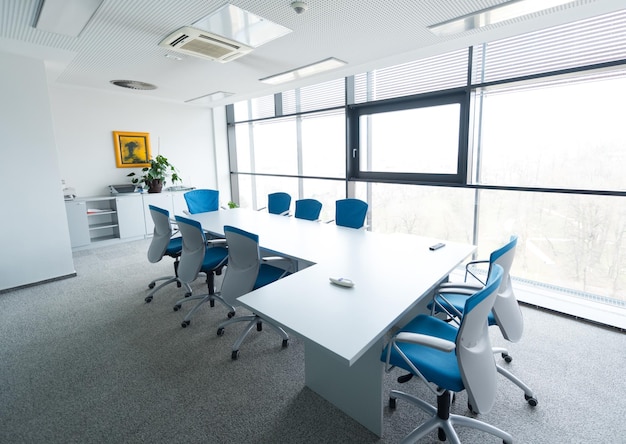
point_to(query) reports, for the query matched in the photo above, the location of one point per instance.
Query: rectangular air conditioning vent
(199, 43)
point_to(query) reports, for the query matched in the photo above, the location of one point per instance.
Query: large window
(531, 144)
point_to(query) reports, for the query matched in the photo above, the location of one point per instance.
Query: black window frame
(354, 112)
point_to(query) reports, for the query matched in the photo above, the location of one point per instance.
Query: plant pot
(155, 186)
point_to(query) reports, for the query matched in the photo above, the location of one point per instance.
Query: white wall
(34, 236)
(84, 122)
(54, 133)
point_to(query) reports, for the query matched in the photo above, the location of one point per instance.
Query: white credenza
(112, 218)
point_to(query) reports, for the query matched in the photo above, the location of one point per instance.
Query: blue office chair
(308, 209)
(350, 213)
(278, 203)
(246, 271)
(202, 201)
(449, 360)
(163, 244)
(198, 256)
(450, 299)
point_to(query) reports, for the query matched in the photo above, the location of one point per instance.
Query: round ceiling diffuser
(133, 84)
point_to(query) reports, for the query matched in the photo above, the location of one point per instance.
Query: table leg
(357, 389)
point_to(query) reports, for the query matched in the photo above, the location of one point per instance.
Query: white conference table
(343, 329)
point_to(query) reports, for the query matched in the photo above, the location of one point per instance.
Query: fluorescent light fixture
(209, 98)
(304, 71)
(495, 14)
(65, 17)
(242, 26)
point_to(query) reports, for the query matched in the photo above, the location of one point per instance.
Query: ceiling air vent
(133, 84)
(199, 43)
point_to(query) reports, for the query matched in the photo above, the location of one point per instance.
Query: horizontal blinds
(310, 98)
(586, 42)
(426, 75)
(261, 107)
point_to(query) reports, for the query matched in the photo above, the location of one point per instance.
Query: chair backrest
(350, 213)
(506, 309)
(202, 201)
(244, 262)
(161, 234)
(308, 209)
(194, 249)
(278, 203)
(473, 347)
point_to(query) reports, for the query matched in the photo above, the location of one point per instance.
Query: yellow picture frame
(132, 150)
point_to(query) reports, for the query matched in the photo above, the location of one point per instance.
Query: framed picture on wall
(132, 150)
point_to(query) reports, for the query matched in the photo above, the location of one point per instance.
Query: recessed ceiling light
(304, 71)
(133, 84)
(496, 14)
(207, 99)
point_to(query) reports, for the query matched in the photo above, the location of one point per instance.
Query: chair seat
(175, 247)
(213, 257)
(267, 275)
(440, 368)
(458, 302)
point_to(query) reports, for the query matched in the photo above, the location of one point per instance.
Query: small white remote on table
(342, 282)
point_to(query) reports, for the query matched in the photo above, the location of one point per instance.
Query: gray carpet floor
(86, 360)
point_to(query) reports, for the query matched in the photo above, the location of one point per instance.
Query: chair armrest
(187, 212)
(261, 209)
(467, 269)
(458, 288)
(428, 341)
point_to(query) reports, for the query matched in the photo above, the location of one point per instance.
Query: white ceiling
(121, 41)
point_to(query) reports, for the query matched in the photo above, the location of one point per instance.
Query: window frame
(354, 112)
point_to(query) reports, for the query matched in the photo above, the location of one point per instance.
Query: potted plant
(156, 174)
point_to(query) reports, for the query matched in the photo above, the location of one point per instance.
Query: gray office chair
(449, 360)
(247, 271)
(198, 256)
(450, 299)
(163, 244)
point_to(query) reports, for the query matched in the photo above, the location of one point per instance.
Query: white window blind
(259, 108)
(426, 75)
(310, 98)
(586, 42)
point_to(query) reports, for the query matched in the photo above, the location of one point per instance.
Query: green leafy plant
(156, 174)
(232, 204)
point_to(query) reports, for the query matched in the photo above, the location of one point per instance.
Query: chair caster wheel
(259, 326)
(148, 299)
(231, 314)
(220, 331)
(184, 324)
(285, 343)
(392, 403)
(176, 307)
(234, 355)
(151, 285)
(187, 294)
(212, 302)
(507, 358)
(178, 285)
(531, 400)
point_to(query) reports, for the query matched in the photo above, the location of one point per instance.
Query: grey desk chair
(450, 299)
(163, 244)
(199, 256)
(449, 360)
(246, 271)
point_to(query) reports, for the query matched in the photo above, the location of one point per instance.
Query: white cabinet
(125, 216)
(130, 216)
(77, 223)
